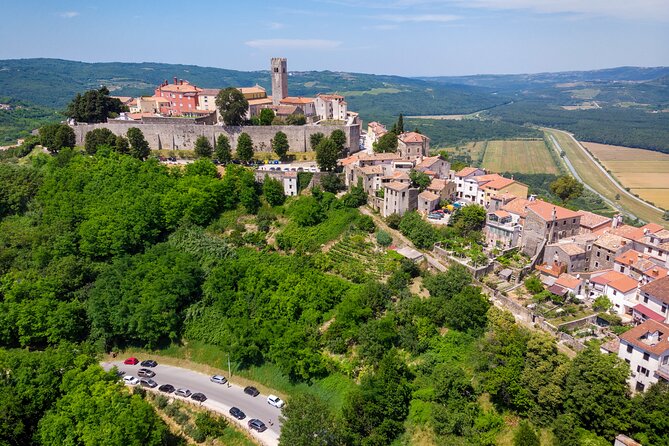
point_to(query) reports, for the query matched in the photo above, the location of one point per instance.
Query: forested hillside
(109, 252)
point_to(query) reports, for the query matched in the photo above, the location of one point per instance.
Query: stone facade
(182, 135)
(279, 79)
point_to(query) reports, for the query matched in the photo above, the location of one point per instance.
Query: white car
(275, 401)
(218, 379)
(130, 380)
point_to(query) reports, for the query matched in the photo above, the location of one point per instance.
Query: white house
(290, 183)
(646, 349)
(653, 301)
(619, 288)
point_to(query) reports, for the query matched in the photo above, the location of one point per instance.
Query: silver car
(218, 379)
(183, 392)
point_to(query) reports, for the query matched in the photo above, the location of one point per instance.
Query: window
(646, 356)
(645, 299)
(664, 308)
(627, 361)
(639, 386)
(629, 348)
(598, 253)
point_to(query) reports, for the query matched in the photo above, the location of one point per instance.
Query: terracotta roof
(568, 281)
(653, 227)
(504, 198)
(378, 156)
(499, 183)
(517, 206)
(623, 284)
(396, 185)
(287, 109)
(427, 195)
(466, 171)
(571, 249)
(210, 91)
(297, 100)
(186, 87)
(410, 137)
(372, 170)
(637, 336)
(612, 346)
(656, 272)
(330, 97)
(545, 210)
(428, 162)
(437, 184)
(290, 174)
(628, 257)
(611, 242)
(259, 101)
(252, 90)
(650, 314)
(607, 277)
(557, 290)
(659, 289)
(590, 220)
(502, 213)
(398, 175)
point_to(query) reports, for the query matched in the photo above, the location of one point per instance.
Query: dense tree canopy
(567, 188)
(94, 106)
(386, 143)
(232, 105)
(327, 154)
(99, 137)
(56, 137)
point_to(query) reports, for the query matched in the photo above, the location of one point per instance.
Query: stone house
(442, 187)
(605, 249)
(330, 106)
(639, 266)
(502, 229)
(656, 245)
(434, 166)
(413, 145)
(547, 223)
(646, 349)
(375, 131)
(427, 201)
(399, 198)
(593, 223)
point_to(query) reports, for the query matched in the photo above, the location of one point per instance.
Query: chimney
(554, 214)
(181, 81)
(175, 80)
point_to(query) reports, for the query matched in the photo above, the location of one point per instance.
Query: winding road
(220, 397)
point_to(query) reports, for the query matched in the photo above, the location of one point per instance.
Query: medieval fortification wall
(182, 136)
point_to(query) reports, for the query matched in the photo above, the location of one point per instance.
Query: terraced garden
(358, 258)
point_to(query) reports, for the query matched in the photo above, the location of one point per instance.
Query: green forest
(109, 252)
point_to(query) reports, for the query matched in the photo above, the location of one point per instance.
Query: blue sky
(405, 37)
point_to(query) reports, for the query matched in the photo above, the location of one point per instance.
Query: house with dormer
(646, 349)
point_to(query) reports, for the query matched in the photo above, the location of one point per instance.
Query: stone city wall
(182, 136)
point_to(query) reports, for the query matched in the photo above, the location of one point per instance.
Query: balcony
(663, 372)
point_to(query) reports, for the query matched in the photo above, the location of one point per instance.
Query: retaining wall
(182, 136)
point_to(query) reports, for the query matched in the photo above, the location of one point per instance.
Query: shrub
(365, 223)
(534, 285)
(383, 238)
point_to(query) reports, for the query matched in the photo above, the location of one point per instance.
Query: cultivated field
(589, 171)
(523, 156)
(474, 149)
(645, 172)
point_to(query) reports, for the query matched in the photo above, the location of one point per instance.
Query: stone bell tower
(279, 79)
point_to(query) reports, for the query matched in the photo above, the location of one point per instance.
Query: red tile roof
(650, 314)
(590, 220)
(637, 336)
(607, 277)
(396, 185)
(466, 171)
(545, 210)
(568, 281)
(659, 289)
(623, 284)
(427, 195)
(411, 137)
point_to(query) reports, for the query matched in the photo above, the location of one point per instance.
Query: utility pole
(229, 370)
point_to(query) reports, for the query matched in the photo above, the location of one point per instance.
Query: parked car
(258, 425)
(148, 382)
(167, 388)
(131, 361)
(199, 397)
(149, 363)
(250, 390)
(218, 379)
(146, 373)
(130, 380)
(237, 413)
(183, 392)
(275, 401)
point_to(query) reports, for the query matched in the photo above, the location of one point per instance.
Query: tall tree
(245, 147)
(266, 116)
(223, 150)
(273, 191)
(280, 144)
(327, 154)
(386, 144)
(567, 188)
(94, 106)
(99, 137)
(56, 137)
(139, 148)
(400, 124)
(597, 392)
(203, 148)
(232, 105)
(339, 138)
(314, 139)
(308, 421)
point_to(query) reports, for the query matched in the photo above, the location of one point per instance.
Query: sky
(403, 37)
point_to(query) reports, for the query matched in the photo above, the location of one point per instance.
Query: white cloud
(385, 27)
(406, 18)
(302, 44)
(68, 14)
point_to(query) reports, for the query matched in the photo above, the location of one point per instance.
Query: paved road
(220, 397)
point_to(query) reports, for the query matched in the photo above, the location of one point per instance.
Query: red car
(131, 361)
